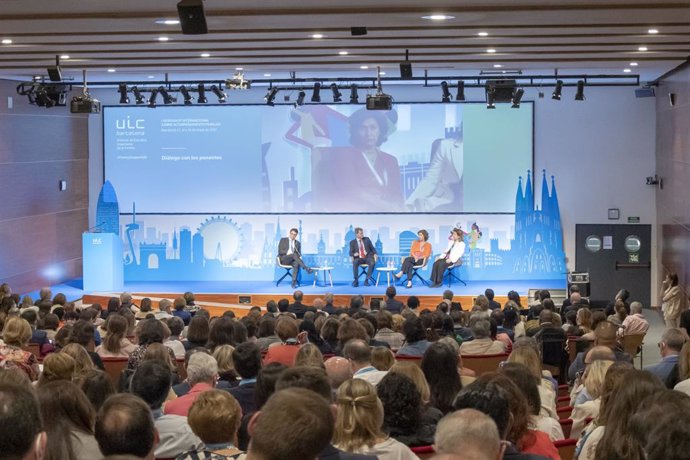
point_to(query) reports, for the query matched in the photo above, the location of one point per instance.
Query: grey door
(616, 257)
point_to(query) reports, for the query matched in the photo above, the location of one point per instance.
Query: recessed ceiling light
(642, 48)
(64, 56)
(627, 70)
(364, 67)
(151, 77)
(382, 73)
(163, 39)
(497, 66)
(317, 35)
(6, 41)
(652, 31)
(491, 50)
(438, 17)
(239, 68)
(111, 70)
(205, 55)
(343, 53)
(633, 64)
(168, 22)
(483, 34)
(267, 75)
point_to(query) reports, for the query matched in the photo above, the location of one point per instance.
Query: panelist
(362, 252)
(290, 253)
(452, 255)
(420, 250)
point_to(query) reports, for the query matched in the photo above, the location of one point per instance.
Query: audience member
(307, 326)
(440, 367)
(20, 422)
(385, 333)
(15, 336)
(197, 332)
(415, 338)
(403, 411)
(393, 305)
(671, 343)
(358, 353)
(482, 344)
(493, 305)
(286, 352)
(124, 426)
(180, 310)
(227, 376)
(83, 333)
(116, 343)
(635, 323)
(56, 367)
(382, 358)
(37, 336)
(247, 361)
(297, 308)
(655, 426)
(338, 370)
(588, 403)
(148, 331)
(175, 326)
(202, 373)
(683, 378)
(470, 434)
(97, 387)
(164, 309)
(605, 335)
(528, 356)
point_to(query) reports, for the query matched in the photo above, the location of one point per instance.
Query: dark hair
(294, 230)
(526, 382)
(548, 304)
(329, 330)
(486, 396)
(440, 367)
(116, 326)
(198, 330)
(391, 292)
(29, 315)
(544, 294)
(267, 326)
(247, 360)
(151, 382)
(176, 326)
(266, 382)
(413, 302)
(515, 297)
(113, 305)
(97, 387)
(309, 377)
(82, 333)
(124, 426)
(283, 305)
(51, 321)
(402, 404)
(498, 316)
(240, 333)
(150, 331)
(518, 432)
(20, 420)
(489, 293)
(222, 333)
(271, 306)
(424, 233)
(413, 330)
(146, 305)
(356, 301)
(384, 319)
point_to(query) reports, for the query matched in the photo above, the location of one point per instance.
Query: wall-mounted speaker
(406, 69)
(192, 18)
(54, 73)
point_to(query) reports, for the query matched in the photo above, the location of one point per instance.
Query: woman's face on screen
(368, 134)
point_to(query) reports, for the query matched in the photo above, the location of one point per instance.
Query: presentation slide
(416, 158)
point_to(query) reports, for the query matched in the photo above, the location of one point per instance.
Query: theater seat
(423, 451)
(410, 359)
(114, 368)
(481, 364)
(566, 426)
(564, 412)
(566, 448)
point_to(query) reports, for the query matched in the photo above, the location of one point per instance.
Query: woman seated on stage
(420, 250)
(451, 256)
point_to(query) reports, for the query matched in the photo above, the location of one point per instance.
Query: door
(616, 257)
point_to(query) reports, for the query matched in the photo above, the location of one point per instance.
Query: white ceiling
(573, 36)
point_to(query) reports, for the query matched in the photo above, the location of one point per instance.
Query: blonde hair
(159, 352)
(223, 355)
(309, 355)
(82, 361)
(414, 373)
(215, 417)
(398, 321)
(17, 331)
(382, 358)
(360, 416)
(528, 357)
(684, 362)
(57, 366)
(594, 376)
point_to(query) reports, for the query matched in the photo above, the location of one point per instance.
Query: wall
(673, 166)
(599, 150)
(40, 226)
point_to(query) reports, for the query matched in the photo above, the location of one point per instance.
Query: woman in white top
(451, 256)
(671, 300)
(358, 426)
(116, 344)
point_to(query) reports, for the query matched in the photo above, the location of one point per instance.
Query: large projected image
(319, 158)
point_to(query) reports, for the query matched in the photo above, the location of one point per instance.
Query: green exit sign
(634, 220)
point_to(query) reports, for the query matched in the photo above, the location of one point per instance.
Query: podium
(102, 262)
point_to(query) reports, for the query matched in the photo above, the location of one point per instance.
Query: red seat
(566, 426)
(114, 368)
(423, 451)
(410, 359)
(563, 390)
(564, 412)
(566, 448)
(563, 401)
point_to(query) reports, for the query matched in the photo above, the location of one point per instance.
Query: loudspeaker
(192, 17)
(646, 91)
(357, 31)
(406, 69)
(54, 73)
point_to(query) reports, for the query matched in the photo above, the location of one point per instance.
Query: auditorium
(472, 209)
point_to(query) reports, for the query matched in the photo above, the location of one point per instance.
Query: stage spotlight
(122, 89)
(460, 96)
(337, 95)
(490, 98)
(354, 97)
(42, 98)
(152, 98)
(138, 97)
(316, 93)
(271, 95)
(219, 94)
(185, 94)
(300, 98)
(580, 94)
(202, 94)
(446, 93)
(556, 95)
(167, 98)
(517, 97)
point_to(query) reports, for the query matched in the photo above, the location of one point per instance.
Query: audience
(124, 426)
(671, 343)
(470, 434)
(116, 343)
(338, 370)
(227, 376)
(382, 358)
(57, 366)
(605, 334)
(385, 333)
(440, 367)
(358, 353)
(247, 361)
(286, 351)
(403, 411)
(635, 323)
(415, 338)
(683, 370)
(482, 344)
(15, 336)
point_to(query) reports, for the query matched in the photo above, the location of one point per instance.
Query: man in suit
(290, 253)
(362, 252)
(297, 307)
(393, 305)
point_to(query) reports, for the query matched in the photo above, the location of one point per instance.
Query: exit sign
(634, 220)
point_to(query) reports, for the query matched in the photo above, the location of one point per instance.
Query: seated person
(451, 256)
(290, 253)
(362, 252)
(420, 250)
(482, 343)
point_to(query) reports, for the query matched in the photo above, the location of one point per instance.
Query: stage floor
(74, 289)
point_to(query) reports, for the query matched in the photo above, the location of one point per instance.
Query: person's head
(215, 417)
(223, 357)
(161, 353)
(97, 387)
(293, 233)
(298, 295)
(440, 366)
(594, 377)
(202, 368)
(338, 370)
(368, 129)
(116, 326)
(391, 292)
(272, 307)
(124, 426)
(311, 426)
(470, 434)
(402, 404)
(309, 378)
(605, 334)
(222, 332)
(247, 360)
(51, 322)
(636, 308)
(146, 305)
(21, 423)
(548, 304)
(546, 316)
(487, 397)
(575, 298)
(526, 382)
(672, 341)
(412, 302)
(623, 295)
(45, 293)
(82, 361)
(384, 319)
(266, 382)
(17, 331)
(413, 330)
(30, 316)
(309, 355)
(489, 293)
(179, 303)
(286, 328)
(150, 331)
(481, 329)
(528, 357)
(329, 330)
(283, 305)
(198, 330)
(414, 373)
(360, 415)
(457, 234)
(57, 366)
(358, 353)
(382, 358)
(351, 329)
(616, 373)
(359, 233)
(655, 425)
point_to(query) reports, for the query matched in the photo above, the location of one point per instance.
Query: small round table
(388, 271)
(325, 270)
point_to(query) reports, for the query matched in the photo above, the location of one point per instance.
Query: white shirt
(454, 251)
(176, 436)
(291, 247)
(370, 374)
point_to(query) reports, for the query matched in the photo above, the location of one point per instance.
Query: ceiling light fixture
(239, 68)
(300, 98)
(491, 50)
(267, 75)
(580, 93)
(6, 41)
(185, 94)
(556, 95)
(483, 34)
(460, 95)
(205, 55)
(642, 48)
(627, 70)
(337, 95)
(151, 77)
(354, 97)
(316, 93)
(343, 53)
(445, 96)
(122, 89)
(219, 94)
(653, 31)
(138, 97)
(64, 56)
(497, 66)
(168, 22)
(364, 67)
(517, 98)
(633, 64)
(111, 70)
(438, 17)
(317, 36)
(163, 39)
(201, 99)
(152, 98)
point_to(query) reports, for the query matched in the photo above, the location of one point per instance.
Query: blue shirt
(664, 368)
(414, 349)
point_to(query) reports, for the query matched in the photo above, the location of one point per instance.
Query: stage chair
(481, 364)
(566, 426)
(450, 273)
(410, 359)
(114, 368)
(363, 270)
(288, 270)
(423, 451)
(632, 344)
(415, 268)
(566, 448)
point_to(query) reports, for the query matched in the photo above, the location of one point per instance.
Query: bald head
(338, 370)
(575, 298)
(599, 353)
(636, 307)
(468, 434)
(605, 334)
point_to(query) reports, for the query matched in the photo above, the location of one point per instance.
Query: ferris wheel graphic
(223, 240)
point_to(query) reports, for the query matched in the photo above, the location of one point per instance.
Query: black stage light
(556, 95)
(122, 89)
(517, 97)
(337, 95)
(460, 96)
(446, 92)
(138, 97)
(219, 94)
(354, 97)
(54, 73)
(271, 95)
(202, 94)
(152, 98)
(42, 98)
(185, 94)
(580, 94)
(167, 97)
(316, 93)
(300, 98)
